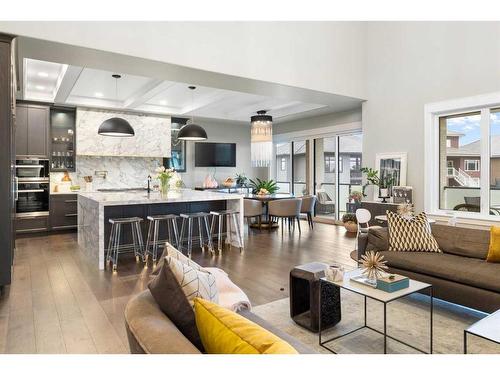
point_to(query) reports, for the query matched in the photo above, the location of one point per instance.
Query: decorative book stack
(393, 283)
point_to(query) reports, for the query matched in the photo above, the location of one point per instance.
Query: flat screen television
(209, 154)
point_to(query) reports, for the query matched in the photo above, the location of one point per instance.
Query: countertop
(142, 197)
(63, 192)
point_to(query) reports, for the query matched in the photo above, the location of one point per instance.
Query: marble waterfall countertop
(142, 197)
(92, 207)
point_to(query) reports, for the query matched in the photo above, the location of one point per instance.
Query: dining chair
(288, 209)
(253, 208)
(307, 207)
(363, 217)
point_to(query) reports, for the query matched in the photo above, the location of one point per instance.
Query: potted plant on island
(350, 222)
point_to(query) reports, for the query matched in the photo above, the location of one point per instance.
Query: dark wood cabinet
(63, 211)
(32, 224)
(32, 130)
(21, 130)
(7, 158)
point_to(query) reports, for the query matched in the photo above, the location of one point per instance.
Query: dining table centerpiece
(263, 187)
(164, 176)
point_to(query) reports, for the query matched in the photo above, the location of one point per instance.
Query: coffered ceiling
(83, 86)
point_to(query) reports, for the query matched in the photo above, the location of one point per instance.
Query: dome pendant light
(261, 138)
(191, 131)
(116, 126)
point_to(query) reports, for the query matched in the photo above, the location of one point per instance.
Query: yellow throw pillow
(225, 332)
(494, 250)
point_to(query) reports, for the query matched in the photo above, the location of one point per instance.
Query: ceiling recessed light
(43, 74)
(38, 87)
(98, 94)
(163, 102)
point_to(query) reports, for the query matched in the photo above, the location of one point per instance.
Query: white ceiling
(80, 86)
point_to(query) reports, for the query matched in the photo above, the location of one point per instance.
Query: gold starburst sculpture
(406, 209)
(373, 264)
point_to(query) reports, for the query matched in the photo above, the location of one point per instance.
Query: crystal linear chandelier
(261, 139)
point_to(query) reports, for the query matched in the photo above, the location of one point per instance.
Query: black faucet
(149, 183)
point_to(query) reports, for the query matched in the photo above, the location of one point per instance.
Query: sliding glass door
(337, 173)
(350, 177)
(325, 176)
(300, 168)
(284, 167)
(292, 167)
(329, 167)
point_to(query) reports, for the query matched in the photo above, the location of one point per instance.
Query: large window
(463, 157)
(283, 171)
(300, 168)
(460, 154)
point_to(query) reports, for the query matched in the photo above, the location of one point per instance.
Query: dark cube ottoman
(304, 297)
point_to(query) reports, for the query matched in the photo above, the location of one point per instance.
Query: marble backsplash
(152, 135)
(121, 172)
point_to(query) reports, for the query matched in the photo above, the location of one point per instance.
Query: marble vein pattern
(152, 135)
(91, 229)
(122, 172)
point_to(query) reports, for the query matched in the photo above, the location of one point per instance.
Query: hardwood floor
(60, 303)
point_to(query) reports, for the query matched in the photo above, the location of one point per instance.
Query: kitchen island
(96, 208)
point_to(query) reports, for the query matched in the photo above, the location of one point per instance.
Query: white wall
(224, 132)
(338, 118)
(324, 56)
(409, 64)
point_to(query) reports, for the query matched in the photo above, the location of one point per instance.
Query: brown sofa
(460, 274)
(150, 331)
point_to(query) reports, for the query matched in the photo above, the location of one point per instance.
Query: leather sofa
(150, 331)
(460, 274)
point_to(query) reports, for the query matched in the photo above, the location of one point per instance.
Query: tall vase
(164, 187)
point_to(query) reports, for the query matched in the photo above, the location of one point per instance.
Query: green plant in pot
(385, 184)
(241, 180)
(371, 178)
(263, 187)
(350, 222)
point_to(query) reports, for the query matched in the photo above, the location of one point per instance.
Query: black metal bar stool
(153, 241)
(187, 220)
(114, 247)
(232, 218)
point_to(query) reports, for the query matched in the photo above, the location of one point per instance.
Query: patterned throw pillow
(176, 254)
(194, 283)
(410, 234)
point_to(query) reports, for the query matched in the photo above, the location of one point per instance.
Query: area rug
(407, 320)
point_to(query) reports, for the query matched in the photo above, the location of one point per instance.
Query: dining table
(265, 199)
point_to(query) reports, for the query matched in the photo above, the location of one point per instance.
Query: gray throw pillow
(173, 302)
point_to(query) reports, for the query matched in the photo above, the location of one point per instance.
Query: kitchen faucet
(149, 183)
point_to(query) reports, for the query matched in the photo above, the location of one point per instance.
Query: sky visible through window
(469, 126)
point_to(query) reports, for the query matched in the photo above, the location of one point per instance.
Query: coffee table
(382, 297)
(487, 328)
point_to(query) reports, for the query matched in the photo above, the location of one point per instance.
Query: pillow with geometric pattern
(193, 283)
(410, 234)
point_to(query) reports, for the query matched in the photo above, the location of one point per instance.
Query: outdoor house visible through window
(459, 159)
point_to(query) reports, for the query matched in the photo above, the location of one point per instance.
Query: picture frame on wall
(402, 194)
(391, 164)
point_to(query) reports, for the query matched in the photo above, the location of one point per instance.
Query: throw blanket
(230, 295)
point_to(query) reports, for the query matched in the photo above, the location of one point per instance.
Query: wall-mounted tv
(209, 154)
